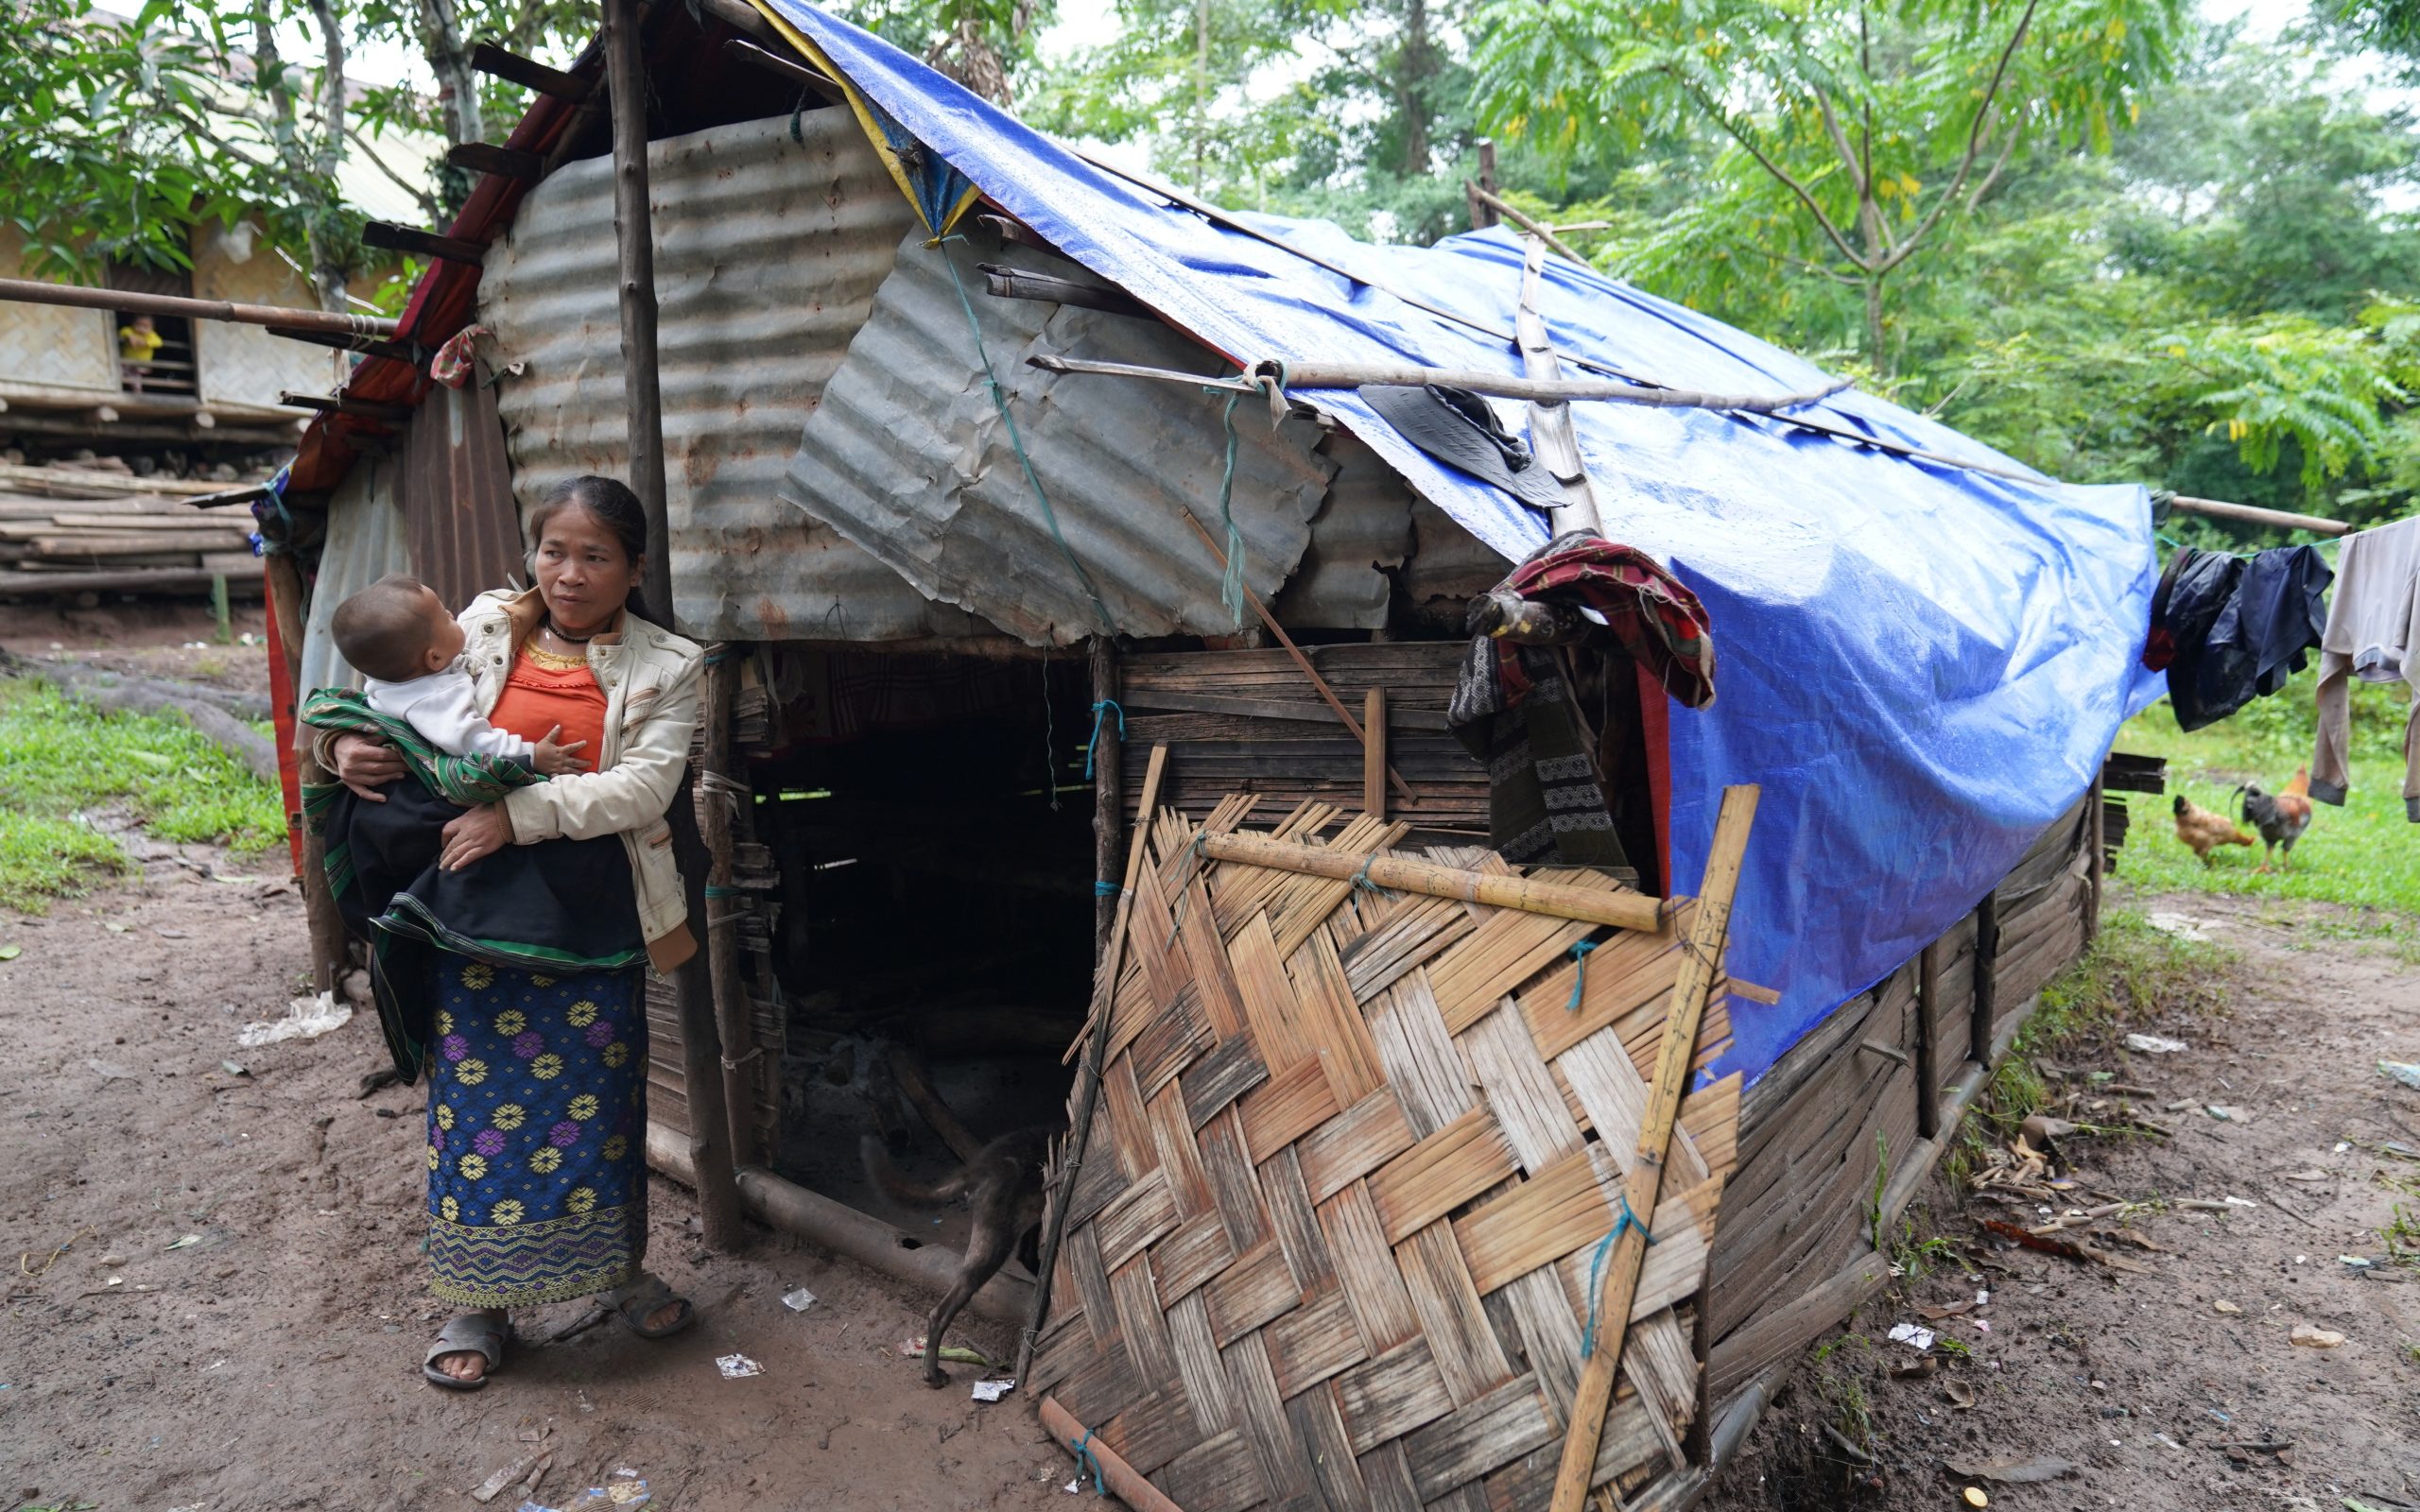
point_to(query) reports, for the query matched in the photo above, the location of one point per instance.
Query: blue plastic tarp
(1920, 663)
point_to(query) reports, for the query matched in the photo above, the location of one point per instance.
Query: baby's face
(445, 638)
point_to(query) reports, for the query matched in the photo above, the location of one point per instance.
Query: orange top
(544, 691)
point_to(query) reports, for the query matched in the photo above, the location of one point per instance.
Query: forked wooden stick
(1088, 1070)
(1699, 961)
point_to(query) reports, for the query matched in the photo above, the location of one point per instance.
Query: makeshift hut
(1022, 493)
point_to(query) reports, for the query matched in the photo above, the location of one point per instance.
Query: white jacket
(444, 708)
(651, 679)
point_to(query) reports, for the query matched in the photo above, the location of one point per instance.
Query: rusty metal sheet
(456, 495)
(908, 456)
(769, 248)
(1361, 534)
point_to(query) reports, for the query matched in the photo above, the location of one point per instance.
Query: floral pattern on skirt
(537, 1134)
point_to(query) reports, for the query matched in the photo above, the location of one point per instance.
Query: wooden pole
(1535, 227)
(320, 916)
(1707, 931)
(2222, 510)
(1116, 1476)
(1351, 726)
(724, 908)
(1482, 213)
(1373, 753)
(1927, 1075)
(1314, 373)
(1088, 1073)
(34, 291)
(1108, 776)
(1623, 909)
(1550, 428)
(1987, 963)
(643, 397)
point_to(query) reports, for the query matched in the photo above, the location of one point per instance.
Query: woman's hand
(365, 766)
(480, 832)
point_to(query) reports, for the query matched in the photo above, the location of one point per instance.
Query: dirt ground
(274, 1363)
(2138, 1378)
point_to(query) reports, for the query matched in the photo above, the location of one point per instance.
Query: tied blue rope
(1230, 587)
(1084, 1461)
(1016, 440)
(1106, 889)
(1579, 973)
(1100, 710)
(1628, 1220)
(1361, 878)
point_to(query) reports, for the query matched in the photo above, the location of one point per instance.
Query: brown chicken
(2281, 817)
(2204, 832)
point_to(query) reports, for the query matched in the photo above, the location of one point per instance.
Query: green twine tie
(1596, 1263)
(1085, 1461)
(1016, 442)
(1230, 587)
(1579, 973)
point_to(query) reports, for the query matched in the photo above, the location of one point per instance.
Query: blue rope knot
(1231, 586)
(1579, 973)
(1106, 889)
(1085, 1461)
(1100, 711)
(1361, 878)
(713, 891)
(1596, 1263)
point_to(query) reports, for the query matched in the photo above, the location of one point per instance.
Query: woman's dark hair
(614, 507)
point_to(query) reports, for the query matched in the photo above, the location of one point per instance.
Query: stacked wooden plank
(1330, 1242)
(62, 530)
(1250, 722)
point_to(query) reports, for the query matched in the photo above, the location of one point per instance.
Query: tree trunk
(328, 271)
(1413, 68)
(1875, 352)
(457, 93)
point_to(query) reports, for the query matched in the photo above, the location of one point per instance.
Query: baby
(397, 633)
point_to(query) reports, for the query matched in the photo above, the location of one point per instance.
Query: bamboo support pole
(1927, 1072)
(34, 291)
(1535, 228)
(1109, 779)
(320, 916)
(1557, 443)
(2253, 514)
(643, 395)
(738, 1050)
(1351, 726)
(1313, 374)
(1700, 962)
(1589, 905)
(1116, 1476)
(1088, 1072)
(1373, 753)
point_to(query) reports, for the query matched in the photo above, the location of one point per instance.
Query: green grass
(60, 760)
(2362, 855)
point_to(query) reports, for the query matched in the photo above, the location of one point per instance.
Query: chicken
(2204, 832)
(2280, 818)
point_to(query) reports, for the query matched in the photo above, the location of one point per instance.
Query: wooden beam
(509, 163)
(1558, 443)
(786, 67)
(410, 354)
(1927, 1072)
(336, 405)
(387, 237)
(1622, 909)
(1018, 283)
(1373, 753)
(1535, 227)
(643, 403)
(2253, 514)
(1117, 1476)
(1088, 1072)
(513, 68)
(1709, 928)
(282, 577)
(34, 291)
(723, 911)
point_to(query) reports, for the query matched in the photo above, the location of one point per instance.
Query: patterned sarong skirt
(537, 1134)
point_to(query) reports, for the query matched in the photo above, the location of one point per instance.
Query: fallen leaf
(2153, 1044)
(2013, 1472)
(2041, 1128)
(9, 953)
(1935, 1314)
(1960, 1395)
(2317, 1338)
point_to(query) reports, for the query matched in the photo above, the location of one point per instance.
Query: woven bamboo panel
(1329, 1241)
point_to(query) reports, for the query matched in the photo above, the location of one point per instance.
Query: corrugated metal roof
(908, 456)
(769, 248)
(1363, 527)
(457, 495)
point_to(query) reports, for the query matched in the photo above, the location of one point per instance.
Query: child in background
(138, 342)
(399, 635)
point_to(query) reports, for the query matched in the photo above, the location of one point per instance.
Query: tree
(1859, 135)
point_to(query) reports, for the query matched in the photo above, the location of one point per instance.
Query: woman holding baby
(525, 1000)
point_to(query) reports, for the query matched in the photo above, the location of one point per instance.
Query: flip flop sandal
(468, 1333)
(641, 1297)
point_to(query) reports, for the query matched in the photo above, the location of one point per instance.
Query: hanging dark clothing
(2238, 629)
(1515, 708)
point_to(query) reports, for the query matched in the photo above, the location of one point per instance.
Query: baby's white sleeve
(452, 722)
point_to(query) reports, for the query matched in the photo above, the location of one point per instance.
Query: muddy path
(2155, 1378)
(275, 1360)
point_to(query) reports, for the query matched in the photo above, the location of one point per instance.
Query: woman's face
(583, 574)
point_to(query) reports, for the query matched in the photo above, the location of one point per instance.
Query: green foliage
(60, 760)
